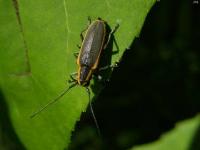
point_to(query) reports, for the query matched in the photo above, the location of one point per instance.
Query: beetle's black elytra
(90, 51)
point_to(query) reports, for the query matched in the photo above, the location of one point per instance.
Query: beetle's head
(84, 83)
(84, 75)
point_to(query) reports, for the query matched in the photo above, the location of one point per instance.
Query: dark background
(156, 84)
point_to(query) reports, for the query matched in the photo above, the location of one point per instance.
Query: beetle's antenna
(92, 111)
(54, 100)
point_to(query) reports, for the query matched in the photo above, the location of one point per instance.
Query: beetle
(93, 43)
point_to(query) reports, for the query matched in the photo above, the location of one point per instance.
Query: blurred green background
(155, 86)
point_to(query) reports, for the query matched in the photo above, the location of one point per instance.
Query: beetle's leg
(74, 74)
(76, 54)
(89, 22)
(81, 35)
(78, 46)
(110, 34)
(108, 67)
(71, 81)
(117, 50)
(73, 77)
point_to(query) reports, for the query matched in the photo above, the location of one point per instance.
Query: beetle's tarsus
(89, 20)
(72, 77)
(76, 54)
(117, 47)
(110, 34)
(78, 47)
(81, 35)
(99, 18)
(108, 67)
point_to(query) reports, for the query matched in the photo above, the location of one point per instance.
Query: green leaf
(37, 42)
(180, 138)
